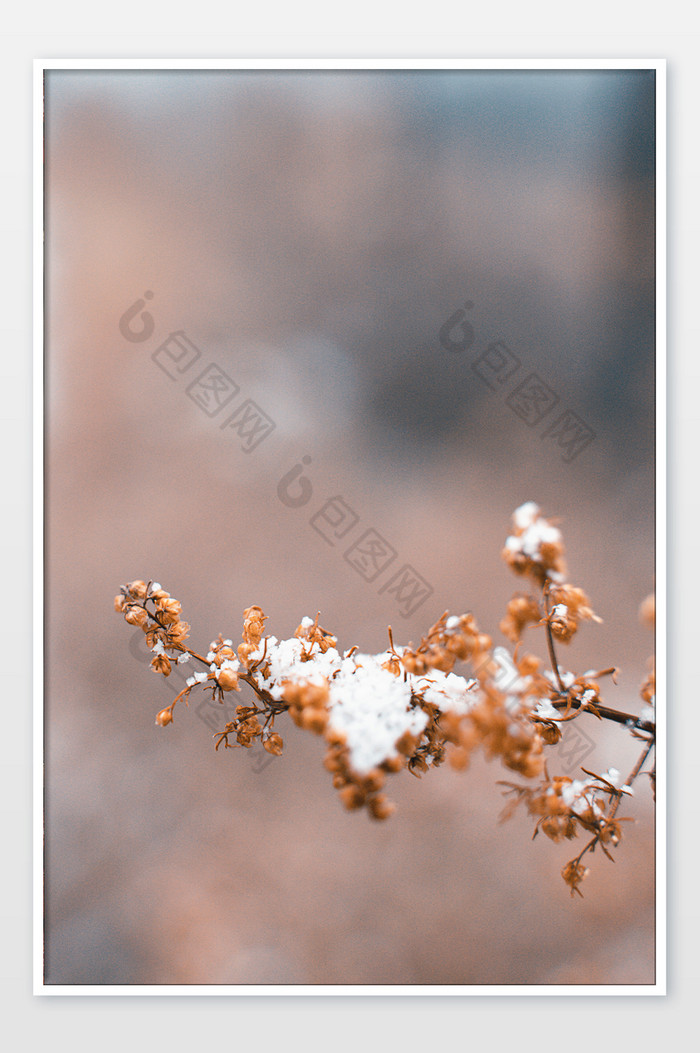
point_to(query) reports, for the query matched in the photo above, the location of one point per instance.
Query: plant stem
(616, 715)
(550, 642)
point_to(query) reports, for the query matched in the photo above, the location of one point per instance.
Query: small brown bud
(549, 733)
(380, 807)
(459, 646)
(179, 632)
(458, 758)
(314, 719)
(441, 659)
(170, 610)
(483, 643)
(245, 650)
(406, 744)
(374, 781)
(352, 797)
(165, 717)
(528, 665)
(160, 663)
(573, 874)
(273, 744)
(136, 616)
(295, 714)
(331, 763)
(227, 680)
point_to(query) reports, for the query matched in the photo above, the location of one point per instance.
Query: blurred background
(310, 234)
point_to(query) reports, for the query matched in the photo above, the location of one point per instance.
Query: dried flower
(573, 874)
(136, 616)
(227, 679)
(273, 744)
(406, 708)
(521, 611)
(535, 547)
(160, 663)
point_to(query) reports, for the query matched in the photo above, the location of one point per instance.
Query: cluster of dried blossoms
(406, 708)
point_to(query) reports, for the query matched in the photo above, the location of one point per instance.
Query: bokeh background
(311, 232)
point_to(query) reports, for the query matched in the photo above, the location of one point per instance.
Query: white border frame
(378, 990)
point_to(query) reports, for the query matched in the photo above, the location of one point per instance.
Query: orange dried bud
(570, 605)
(520, 612)
(246, 651)
(273, 744)
(573, 874)
(314, 719)
(414, 663)
(552, 827)
(295, 714)
(138, 589)
(562, 624)
(374, 781)
(458, 758)
(528, 664)
(331, 763)
(406, 744)
(164, 717)
(170, 610)
(311, 632)
(335, 737)
(535, 547)
(482, 643)
(549, 733)
(253, 625)
(291, 691)
(179, 632)
(459, 646)
(393, 665)
(227, 679)
(160, 663)
(119, 603)
(380, 807)
(317, 694)
(576, 600)
(306, 694)
(136, 616)
(611, 833)
(352, 797)
(441, 659)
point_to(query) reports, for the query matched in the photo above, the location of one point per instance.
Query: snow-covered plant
(405, 707)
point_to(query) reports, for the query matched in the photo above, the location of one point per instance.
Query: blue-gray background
(311, 232)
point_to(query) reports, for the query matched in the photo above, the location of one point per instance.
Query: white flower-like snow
(370, 705)
(534, 532)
